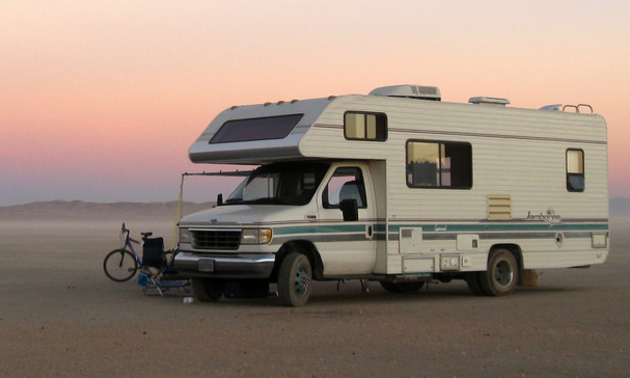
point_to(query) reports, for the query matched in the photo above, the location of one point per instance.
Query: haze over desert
(61, 317)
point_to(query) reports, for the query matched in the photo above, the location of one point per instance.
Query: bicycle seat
(146, 234)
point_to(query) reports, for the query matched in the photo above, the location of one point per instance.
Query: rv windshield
(280, 184)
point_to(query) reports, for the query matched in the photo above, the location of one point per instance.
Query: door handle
(369, 231)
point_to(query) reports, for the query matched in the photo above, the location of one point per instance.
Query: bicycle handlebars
(125, 230)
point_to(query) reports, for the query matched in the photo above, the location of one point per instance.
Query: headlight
(184, 235)
(256, 236)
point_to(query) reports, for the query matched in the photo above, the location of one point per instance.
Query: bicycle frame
(128, 243)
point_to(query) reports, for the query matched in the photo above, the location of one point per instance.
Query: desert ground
(61, 317)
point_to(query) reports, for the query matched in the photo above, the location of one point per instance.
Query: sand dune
(114, 210)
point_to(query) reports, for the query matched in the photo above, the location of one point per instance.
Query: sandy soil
(61, 317)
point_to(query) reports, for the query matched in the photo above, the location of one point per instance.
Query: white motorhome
(402, 188)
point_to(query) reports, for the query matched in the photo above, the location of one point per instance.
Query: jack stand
(365, 286)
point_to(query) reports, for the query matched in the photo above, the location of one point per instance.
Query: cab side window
(346, 183)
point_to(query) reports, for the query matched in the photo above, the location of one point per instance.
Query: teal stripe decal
(501, 227)
(438, 228)
(321, 229)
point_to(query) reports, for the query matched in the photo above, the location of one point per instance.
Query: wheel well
(514, 249)
(302, 246)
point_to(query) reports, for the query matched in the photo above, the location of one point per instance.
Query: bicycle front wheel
(120, 265)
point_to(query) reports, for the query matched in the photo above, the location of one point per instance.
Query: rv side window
(365, 126)
(346, 183)
(439, 165)
(575, 170)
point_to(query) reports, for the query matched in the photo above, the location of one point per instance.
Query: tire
(294, 280)
(472, 279)
(402, 287)
(120, 265)
(501, 277)
(207, 289)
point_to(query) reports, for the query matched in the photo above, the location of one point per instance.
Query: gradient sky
(100, 100)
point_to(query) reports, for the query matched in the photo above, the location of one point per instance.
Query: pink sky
(101, 100)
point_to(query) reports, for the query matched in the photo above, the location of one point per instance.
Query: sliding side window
(365, 126)
(437, 164)
(575, 171)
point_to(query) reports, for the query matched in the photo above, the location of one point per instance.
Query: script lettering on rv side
(549, 217)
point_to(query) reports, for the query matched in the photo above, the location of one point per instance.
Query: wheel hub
(503, 274)
(302, 281)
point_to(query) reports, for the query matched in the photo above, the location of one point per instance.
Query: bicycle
(155, 267)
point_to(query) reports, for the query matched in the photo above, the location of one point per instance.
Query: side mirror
(219, 199)
(350, 210)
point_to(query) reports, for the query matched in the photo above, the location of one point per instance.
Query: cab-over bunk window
(439, 164)
(365, 126)
(250, 129)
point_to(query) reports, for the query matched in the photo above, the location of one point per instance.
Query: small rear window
(242, 130)
(575, 170)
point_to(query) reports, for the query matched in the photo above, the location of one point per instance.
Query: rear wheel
(402, 287)
(501, 276)
(120, 265)
(294, 280)
(207, 289)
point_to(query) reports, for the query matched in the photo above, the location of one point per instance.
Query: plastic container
(143, 279)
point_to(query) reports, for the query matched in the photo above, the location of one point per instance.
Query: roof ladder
(577, 107)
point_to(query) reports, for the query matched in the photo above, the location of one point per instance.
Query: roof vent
(554, 108)
(417, 92)
(488, 101)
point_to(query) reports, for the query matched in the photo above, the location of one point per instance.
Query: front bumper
(234, 267)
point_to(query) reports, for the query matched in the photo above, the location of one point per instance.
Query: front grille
(216, 239)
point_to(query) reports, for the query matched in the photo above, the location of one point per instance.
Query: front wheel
(501, 276)
(120, 265)
(294, 280)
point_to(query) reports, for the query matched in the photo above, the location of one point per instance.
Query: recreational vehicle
(398, 187)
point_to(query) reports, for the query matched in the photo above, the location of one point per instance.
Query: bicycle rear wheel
(120, 265)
